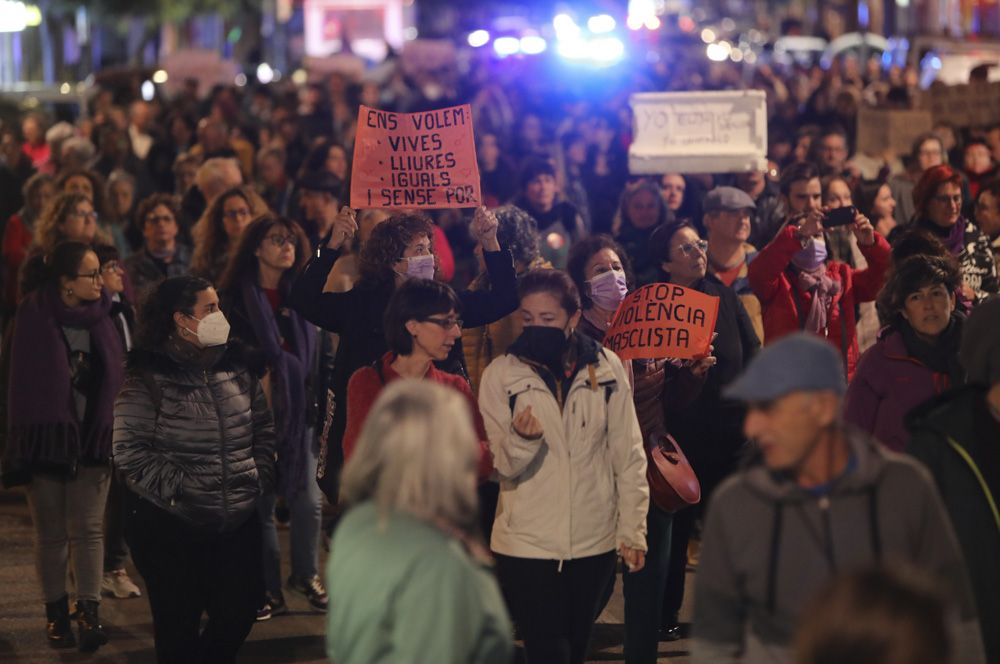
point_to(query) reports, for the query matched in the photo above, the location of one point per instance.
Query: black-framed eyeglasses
(443, 323)
(111, 266)
(94, 276)
(281, 240)
(689, 248)
(86, 215)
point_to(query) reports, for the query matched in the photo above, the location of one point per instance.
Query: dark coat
(710, 428)
(196, 443)
(144, 273)
(956, 438)
(887, 385)
(357, 317)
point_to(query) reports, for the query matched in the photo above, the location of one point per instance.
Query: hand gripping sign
(663, 321)
(415, 160)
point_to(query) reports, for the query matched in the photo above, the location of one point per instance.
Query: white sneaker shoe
(118, 584)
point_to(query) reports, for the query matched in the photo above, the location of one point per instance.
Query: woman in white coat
(568, 451)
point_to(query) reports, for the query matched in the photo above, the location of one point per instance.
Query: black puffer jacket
(193, 434)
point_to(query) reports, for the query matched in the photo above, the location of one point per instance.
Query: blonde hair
(418, 454)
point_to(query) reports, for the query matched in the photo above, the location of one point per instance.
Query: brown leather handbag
(672, 482)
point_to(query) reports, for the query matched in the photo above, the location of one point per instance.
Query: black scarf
(940, 355)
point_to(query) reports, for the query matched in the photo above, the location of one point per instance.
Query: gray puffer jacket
(193, 434)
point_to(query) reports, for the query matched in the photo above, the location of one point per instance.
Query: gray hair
(417, 453)
(78, 149)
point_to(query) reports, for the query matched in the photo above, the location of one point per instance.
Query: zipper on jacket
(222, 449)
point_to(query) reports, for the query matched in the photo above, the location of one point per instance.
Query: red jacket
(366, 384)
(769, 279)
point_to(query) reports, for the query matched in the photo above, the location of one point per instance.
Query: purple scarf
(42, 426)
(289, 371)
(952, 238)
(823, 289)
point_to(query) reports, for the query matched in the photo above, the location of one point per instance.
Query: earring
(69, 291)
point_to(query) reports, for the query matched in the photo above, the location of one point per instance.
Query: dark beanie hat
(980, 349)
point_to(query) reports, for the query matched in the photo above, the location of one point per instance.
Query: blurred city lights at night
(601, 24)
(505, 46)
(479, 38)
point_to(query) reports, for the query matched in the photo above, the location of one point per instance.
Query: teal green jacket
(403, 591)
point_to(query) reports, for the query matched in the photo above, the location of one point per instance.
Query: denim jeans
(306, 512)
(115, 548)
(69, 517)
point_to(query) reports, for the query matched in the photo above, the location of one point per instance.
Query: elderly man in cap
(727, 212)
(320, 194)
(818, 500)
(958, 437)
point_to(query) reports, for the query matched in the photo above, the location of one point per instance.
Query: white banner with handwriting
(698, 132)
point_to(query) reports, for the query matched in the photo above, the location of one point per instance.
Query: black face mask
(544, 345)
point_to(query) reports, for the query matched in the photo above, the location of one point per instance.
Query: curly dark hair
(582, 252)
(244, 264)
(912, 274)
(150, 203)
(518, 233)
(387, 243)
(416, 299)
(156, 320)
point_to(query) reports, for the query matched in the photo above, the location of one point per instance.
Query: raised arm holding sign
(415, 160)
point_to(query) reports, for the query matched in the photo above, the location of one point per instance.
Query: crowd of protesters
(202, 339)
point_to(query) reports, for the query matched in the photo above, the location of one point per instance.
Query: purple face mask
(812, 256)
(608, 289)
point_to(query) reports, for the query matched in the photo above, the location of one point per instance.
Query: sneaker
(312, 589)
(118, 584)
(264, 612)
(277, 604)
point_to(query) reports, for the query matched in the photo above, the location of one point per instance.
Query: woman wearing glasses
(218, 231)
(938, 198)
(399, 249)
(68, 218)
(67, 365)
(255, 291)
(708, 428)
(421, 327)
(116, 582)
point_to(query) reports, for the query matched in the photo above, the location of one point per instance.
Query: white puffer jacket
(581, 490)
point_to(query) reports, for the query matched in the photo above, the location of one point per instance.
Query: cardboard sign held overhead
(663, 321)
(698, 132)
(415, 160)
(882, 129)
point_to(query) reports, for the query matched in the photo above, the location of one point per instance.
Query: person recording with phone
(799, 286)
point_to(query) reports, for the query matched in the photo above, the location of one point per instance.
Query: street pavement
(296, 637)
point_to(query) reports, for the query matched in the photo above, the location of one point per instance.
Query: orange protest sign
(415, 160)
(663, 320)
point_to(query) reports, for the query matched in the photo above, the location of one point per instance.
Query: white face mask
(213, 329)
(608, 289)
(420, 267)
